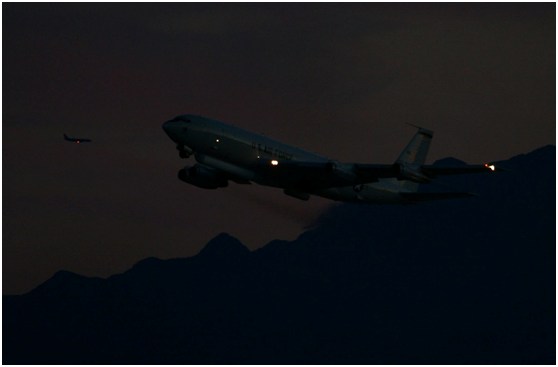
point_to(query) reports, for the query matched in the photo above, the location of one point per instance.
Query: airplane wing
(325, 175)
(314, 175)
(374, 171)
(76, 140)
(293, 173)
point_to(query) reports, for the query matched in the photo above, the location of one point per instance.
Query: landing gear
(184, 151)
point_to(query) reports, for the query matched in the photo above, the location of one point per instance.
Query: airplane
(226, 153)
(77, 140)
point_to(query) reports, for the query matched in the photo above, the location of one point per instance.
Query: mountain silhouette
(465, 281)
(224, 247)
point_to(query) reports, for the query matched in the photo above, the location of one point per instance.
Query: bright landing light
(491, 167)
(274, 162)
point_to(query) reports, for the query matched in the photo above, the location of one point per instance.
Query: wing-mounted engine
(202, 176)
(345, 171)
(411, 172)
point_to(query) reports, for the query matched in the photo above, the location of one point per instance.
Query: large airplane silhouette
(226, 153)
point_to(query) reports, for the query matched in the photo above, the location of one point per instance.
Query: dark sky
(337, 79)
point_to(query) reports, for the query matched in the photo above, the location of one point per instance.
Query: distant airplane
(227, 153)
(77, 140)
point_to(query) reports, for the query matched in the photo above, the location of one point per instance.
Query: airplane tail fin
(415, 154)
(417, 149)
(65, 137)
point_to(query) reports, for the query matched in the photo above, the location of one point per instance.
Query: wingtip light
(492, 167)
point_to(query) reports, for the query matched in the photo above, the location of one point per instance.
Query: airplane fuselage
(76, 140)
(242, 154)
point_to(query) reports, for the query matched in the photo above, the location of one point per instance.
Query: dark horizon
(341, 80)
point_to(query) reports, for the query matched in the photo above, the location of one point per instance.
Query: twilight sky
(337, 79)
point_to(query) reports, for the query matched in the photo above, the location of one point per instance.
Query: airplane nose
(171, 127)
(167, 126)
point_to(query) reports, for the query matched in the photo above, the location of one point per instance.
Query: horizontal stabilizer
(427, 196)
(434, 170)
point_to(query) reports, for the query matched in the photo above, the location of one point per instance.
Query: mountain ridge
(471, 281)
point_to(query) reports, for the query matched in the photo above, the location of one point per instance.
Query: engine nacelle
(409, 172)
(202, 176)
(343, 170)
